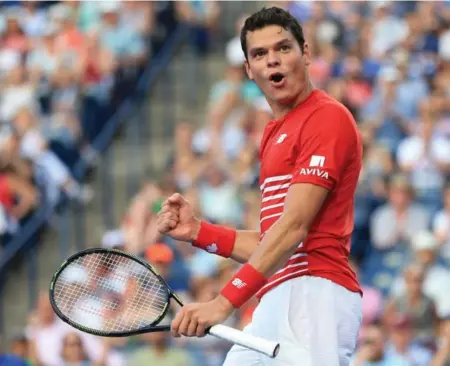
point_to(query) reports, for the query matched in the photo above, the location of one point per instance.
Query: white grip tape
(240, 338)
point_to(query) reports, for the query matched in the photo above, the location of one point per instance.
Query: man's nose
(273, 59)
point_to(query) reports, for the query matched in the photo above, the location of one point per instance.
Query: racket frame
(153, 327)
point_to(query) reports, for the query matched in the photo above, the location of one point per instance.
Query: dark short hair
(272, 16)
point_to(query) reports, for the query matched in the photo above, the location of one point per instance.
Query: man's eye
(285, 48)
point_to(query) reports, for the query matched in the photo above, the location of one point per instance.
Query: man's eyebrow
(277, 44)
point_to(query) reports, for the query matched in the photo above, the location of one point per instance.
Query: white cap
(110, 6)
(327, 32)
(75, 274)
(3, 220)
(444, 46)
(113, 239)
(9, 59)
(50, 29)
(424, 240)
(389, 73)
(61, 12)
(380, 4)
(235, 55)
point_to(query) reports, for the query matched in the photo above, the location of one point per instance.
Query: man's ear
(247, 69)
(306, 54)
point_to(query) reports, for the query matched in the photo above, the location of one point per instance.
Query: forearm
(277, 247)
(245, 245)
(441, 356)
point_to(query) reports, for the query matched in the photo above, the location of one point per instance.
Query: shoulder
(440, 217)
(140, 355)
(382, 211)
(418, 209)
(325, 104)
(327, 114)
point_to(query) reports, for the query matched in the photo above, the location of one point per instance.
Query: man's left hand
(194, 319)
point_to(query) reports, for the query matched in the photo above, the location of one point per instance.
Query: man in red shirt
(297, 264)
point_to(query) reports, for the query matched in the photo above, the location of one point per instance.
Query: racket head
(94, 303)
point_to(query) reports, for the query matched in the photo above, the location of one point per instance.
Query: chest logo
(281, 138)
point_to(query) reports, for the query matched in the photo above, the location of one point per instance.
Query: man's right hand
(177, 220)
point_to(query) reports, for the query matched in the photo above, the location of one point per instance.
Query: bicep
(21, 188)
(303, 202)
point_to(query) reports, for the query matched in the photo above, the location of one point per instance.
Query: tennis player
(297, 264)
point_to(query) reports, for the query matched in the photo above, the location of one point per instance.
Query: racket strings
(108, 292)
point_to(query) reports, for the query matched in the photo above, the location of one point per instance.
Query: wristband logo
(212, 248)
(238, 283)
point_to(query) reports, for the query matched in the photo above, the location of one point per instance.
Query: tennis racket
(109, 293)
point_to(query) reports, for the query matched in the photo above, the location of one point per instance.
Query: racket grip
(240, 338)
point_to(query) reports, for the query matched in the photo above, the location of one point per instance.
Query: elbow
(297, 230)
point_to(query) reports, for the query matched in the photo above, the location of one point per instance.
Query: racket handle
(240, 338)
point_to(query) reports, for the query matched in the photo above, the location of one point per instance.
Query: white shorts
(315, 321)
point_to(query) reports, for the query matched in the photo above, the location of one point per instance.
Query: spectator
(441, 225)
(17, 93)
(371, 350)
(34, 19)
(74, 353)
(442, 357)
(138, 226)
(14, 38)
(372, 305)
(227, 108)
(34, 147)
(158, 351)
(426, 157)
(415, 305)
(401, 343)
(219, 197)
(387, 30)
(396, 222)
(23, 349)
(382, 111)
(202, 17)
(436, 285)
(47, 332)
(124, 42)
(17, 195)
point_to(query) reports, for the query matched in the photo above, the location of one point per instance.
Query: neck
(280, 110)
(402, 348)
(160, 348)
(414, 298)
(401, 209)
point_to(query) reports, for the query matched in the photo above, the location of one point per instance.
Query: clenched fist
(177, 220)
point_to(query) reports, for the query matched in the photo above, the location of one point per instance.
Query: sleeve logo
(316, 161)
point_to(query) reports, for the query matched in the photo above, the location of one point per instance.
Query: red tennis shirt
(317, 142)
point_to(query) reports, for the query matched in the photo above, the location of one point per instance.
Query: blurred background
(106, 108)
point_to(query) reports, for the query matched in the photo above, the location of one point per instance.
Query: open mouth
(276, 77)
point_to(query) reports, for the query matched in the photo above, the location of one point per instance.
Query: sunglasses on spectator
(76, 343)
(368, 341)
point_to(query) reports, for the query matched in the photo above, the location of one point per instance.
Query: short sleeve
(441, 223)
(442, 151)
(409, 152)
(325, 145)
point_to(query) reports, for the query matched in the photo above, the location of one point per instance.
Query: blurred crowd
(388, 62)
(65, 67)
